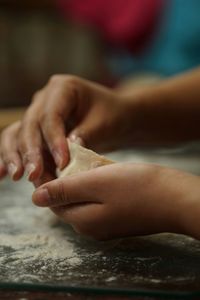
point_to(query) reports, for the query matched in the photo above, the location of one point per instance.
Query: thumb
(70, 190)
(87, 132)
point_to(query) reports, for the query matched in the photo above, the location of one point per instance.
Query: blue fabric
(176, 45)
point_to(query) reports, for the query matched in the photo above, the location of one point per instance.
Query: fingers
(30, 139)
(86, 133)
(10, 157)
(42, 121)
(30, 146)
(55, 109)
(56, 117)
(45, 177)
(82, 188)
(49, 173)
(53, 130)
(47, 116)
(43, 125)
(3, 170)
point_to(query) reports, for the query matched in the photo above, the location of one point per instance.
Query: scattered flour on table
(29, 247)
(36, 239)
(35, 249)
(31, 242)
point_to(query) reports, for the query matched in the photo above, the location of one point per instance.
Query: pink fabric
(124, 23)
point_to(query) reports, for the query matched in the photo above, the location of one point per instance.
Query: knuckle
(74, 87)
(62, 195)
(56, 79)
(22, 145)
(59, 194)
(9, 157)
(71, 83)
(36, 96)
(7, 134)
(72, 79)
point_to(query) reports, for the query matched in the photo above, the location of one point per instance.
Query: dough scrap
(83, 159)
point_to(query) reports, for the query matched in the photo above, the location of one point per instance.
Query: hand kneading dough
(82, 159)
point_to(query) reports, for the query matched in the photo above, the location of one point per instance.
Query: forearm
(168, 112)
(175, 203)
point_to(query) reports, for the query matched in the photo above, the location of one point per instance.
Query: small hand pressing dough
(82, 159)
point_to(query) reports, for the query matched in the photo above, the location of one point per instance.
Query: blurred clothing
(144, 35)
(125, 24)
(175, 47)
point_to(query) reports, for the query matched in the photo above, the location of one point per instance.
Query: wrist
(182, 206)
(190, 207)
(138, 114)
(168, 190)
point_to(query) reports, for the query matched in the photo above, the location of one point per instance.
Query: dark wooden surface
(8, 295)
(162, 265)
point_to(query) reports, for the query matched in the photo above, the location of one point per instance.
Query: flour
(40, 246)
(37, 239)
(32, 243)
(35, 248)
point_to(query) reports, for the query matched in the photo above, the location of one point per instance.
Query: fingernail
(75, 139)
(41, 197)
(12, 169)
(30, 168)
(58, 159)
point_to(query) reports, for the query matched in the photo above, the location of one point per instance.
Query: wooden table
(9, 116)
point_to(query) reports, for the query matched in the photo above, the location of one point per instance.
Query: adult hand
(84, 111)
(121, 200)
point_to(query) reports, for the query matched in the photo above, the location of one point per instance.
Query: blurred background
(106, 41)
(36, 41)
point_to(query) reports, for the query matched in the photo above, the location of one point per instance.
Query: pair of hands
(111, 201)
(67, 106)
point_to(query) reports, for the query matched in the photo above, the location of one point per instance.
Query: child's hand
(120, 200)
(67, 106)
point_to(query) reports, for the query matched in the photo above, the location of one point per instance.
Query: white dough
(82, 159)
